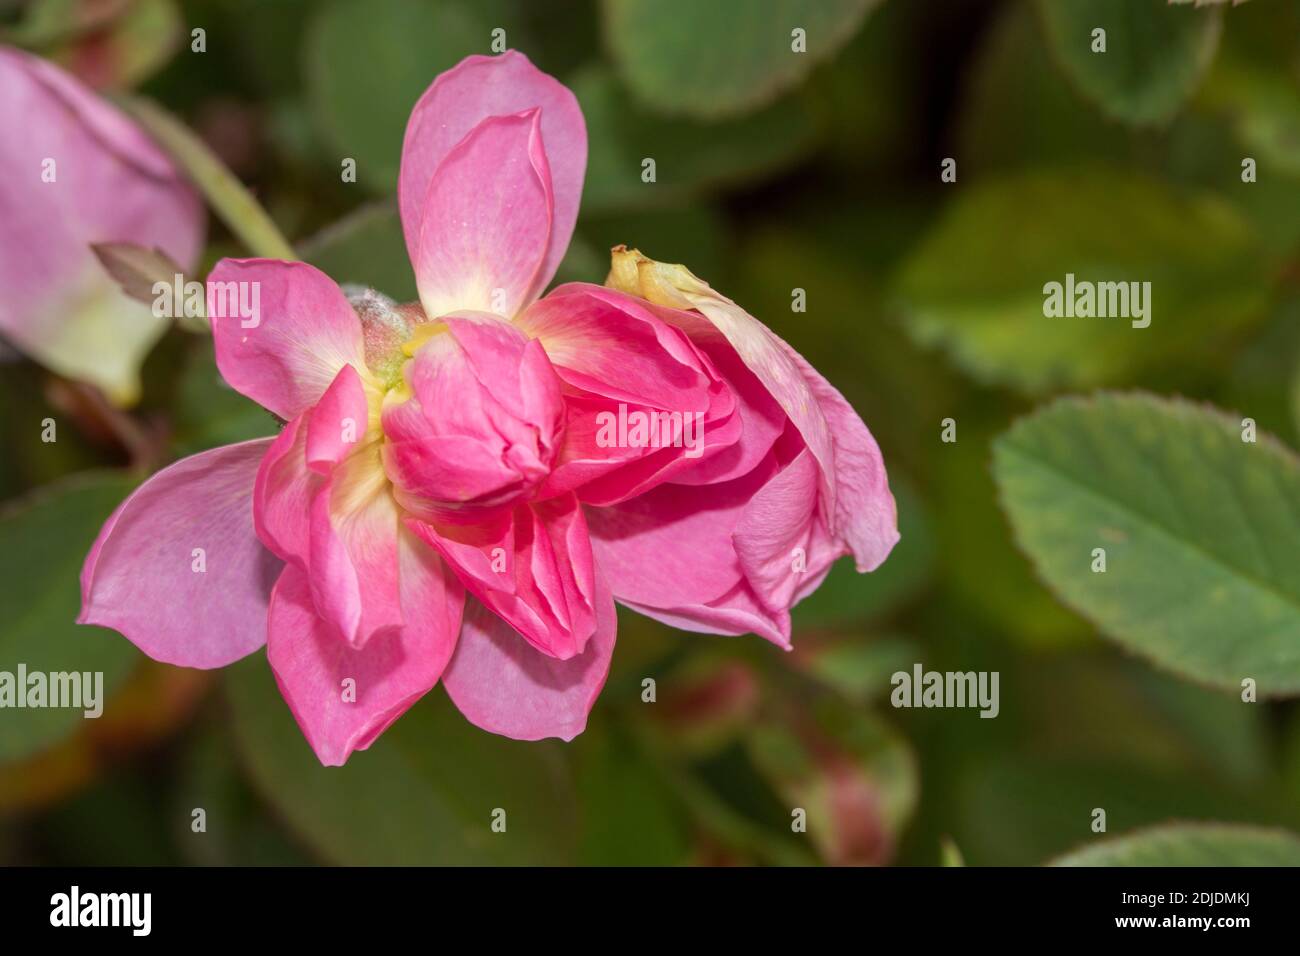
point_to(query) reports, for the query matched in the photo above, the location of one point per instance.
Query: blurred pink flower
(456, 496)
(75, 171)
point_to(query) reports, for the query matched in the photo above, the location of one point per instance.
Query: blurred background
(775, 171)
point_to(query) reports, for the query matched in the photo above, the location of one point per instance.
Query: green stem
(223, 191)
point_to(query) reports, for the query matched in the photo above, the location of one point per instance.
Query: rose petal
(865, 514)
(501, 683)
(486, 221)
(477, 88)
(144, 578)
(532, 565)
(298, 330)
(390, 673)
(352, 565)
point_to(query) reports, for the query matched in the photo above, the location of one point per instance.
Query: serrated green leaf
(43, 542)
(1192, 844)
(424, 793)
(977, 284)
(1201, 532)
(1155, 54)
(710, 60)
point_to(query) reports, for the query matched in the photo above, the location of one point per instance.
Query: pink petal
(480, 428)
(865, 515)
(390, 673)
(774, 538)
(672, 546)
(141, 575)
(303, 333)
(353, 550)
(613, 345)
(486, 221)
(338, 423)
(111, 184)
(532, 565)
(283, 495)
(762, 420)
(501, 683)
(458, 101)
(621, 361)
(718, 558)
(775, 364)
(739, 611)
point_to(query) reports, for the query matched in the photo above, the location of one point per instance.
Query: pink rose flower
(74, 171)
(467, 484)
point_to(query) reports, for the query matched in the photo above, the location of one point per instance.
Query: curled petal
(670, 554)
(532, 565)
(739, 611)
(477, 426)
(759, 348)
(643, 403)
(389, 674)
(866, 517)
(353, 550)
(486, 221)
(458, 101)
(827, 423)
(178, 570)
(501, 683)
(339, 422)
(775, 534)
(283, 493)
(283, 330)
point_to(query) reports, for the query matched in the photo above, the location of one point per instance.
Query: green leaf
(1018, 111)
(367, 248)
(43, 542)
(368, 61)
(1155, 54)
(1200, 529)
(711, 60)
(1254, 86)
(690, 157)
(1192, 844)
(977, 285)
(424, 793)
